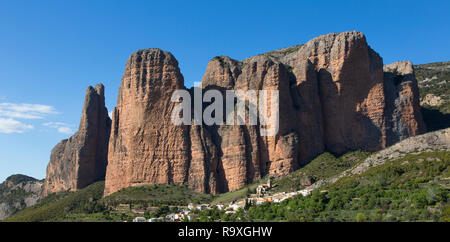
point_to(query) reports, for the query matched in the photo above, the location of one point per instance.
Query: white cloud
(25, 110)
(110, 114)
(9, 126)
(62, 128)
(65, 130)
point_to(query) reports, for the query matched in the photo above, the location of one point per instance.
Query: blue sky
(51, 51)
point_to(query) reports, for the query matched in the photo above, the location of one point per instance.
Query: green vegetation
(13, 196)
(413, 188)
(7, 195)
(13, 193)
(158, 194)
(438, 76)
(238, 194)
(284, 51)
(434, 78)
(56, 206)
(16, 179)
(322, 167)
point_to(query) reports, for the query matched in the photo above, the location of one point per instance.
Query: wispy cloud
(8, 126)
(10, 113)
(62, 128)
(25, 110)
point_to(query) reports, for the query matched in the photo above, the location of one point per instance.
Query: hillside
(157, 195)
(354, 172)
(56, 206)
(434, 85)
(413, 188)
(408, 187)
(18, 192)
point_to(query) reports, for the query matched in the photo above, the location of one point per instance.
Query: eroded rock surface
(81, 160)
(18, 192)
(145, 147)
(334, 96)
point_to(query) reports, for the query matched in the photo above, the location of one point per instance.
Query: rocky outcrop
(403, 115)
(433, 141)
(18, 192)
(432, 100)
(429, 142)
(334, 96)
(81, 160)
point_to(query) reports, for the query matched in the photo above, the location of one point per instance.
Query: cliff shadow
(435, 119)
(344, 128)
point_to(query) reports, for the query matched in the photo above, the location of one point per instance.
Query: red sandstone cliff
(334, 96)
(81, 160)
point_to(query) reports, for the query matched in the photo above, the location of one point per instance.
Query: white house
(139, 219)
(235, 206)
(259, 202)
(179, 216)
(191, 206)
(305, 192)
(171, 217)
(202, 207)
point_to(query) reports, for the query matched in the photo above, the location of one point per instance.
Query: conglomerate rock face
(404, 118)
(333, 94)
(145, 147)
(82, 159)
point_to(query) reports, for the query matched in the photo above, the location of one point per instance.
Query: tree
(360, 217)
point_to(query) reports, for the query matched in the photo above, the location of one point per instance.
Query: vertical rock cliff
(334, 96)
(404, 118)
(82, 159)
(145, 147)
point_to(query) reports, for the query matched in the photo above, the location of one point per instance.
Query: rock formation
(145, 147)
(81, 160)
(432, 100)
(18, 192)
(404, 118)
(334, 96)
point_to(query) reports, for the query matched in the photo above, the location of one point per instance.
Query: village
(189, 213)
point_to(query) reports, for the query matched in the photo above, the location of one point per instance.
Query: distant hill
(56, 206)
(18, 192)
(434, 86)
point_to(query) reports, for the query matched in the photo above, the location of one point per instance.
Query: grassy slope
(158, 194)
(414, 188)
(88, 205)
(56, 206)
(323, 166)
